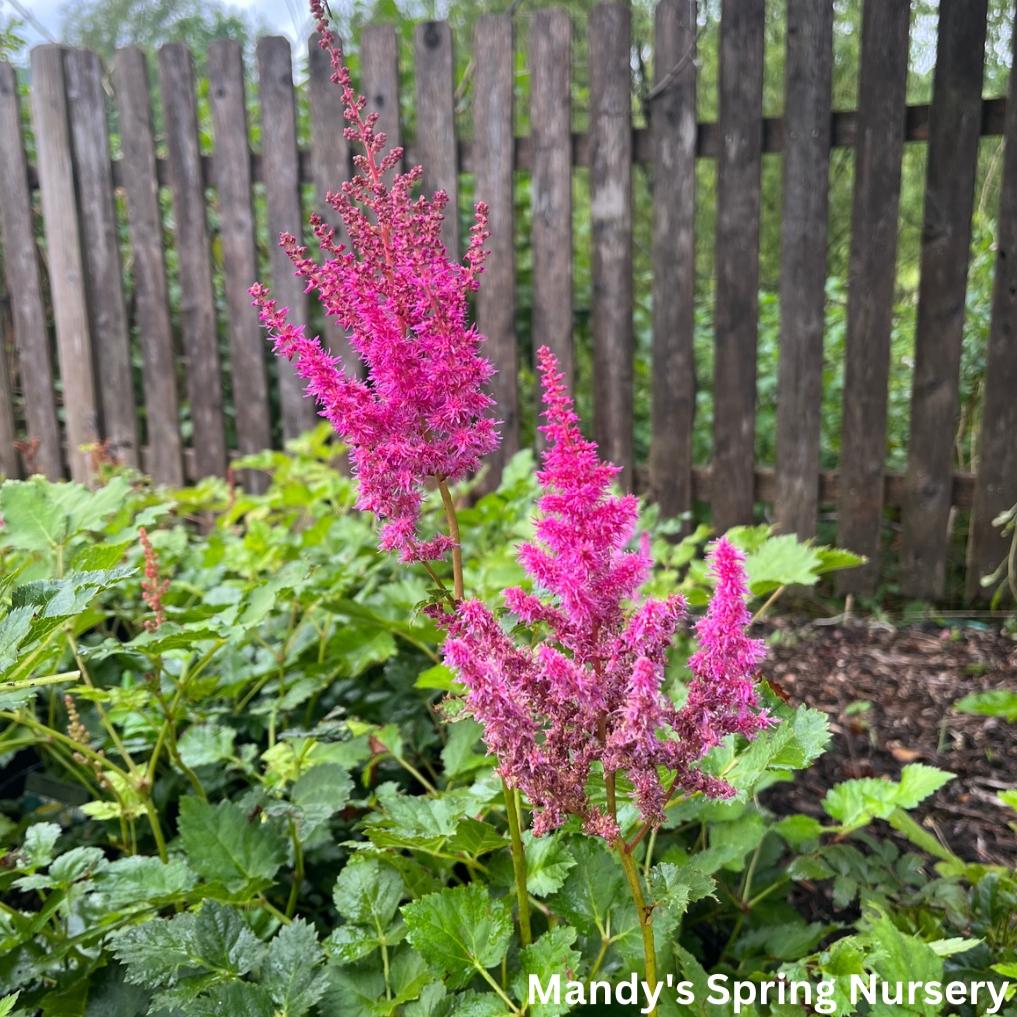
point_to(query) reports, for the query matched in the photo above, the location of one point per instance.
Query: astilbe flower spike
(422, 411)
(152, 589)
(590, 693)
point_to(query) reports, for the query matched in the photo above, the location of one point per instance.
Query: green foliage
(279, 822)
(994, 703)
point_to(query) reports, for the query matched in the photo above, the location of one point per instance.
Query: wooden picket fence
(82, 255)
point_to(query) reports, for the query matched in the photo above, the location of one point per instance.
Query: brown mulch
(911, 677)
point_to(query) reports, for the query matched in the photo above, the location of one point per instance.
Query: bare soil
(910, 677)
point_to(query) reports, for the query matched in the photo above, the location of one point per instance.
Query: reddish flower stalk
(152, 589)
(422, 413)
(590, 693)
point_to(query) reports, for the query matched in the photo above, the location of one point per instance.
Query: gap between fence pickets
(843, 127)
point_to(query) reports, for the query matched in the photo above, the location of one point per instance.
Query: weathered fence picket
(996, 483)
(31, 340)
(954, 122)
(611, 227)
(86, 393)
(197, 298)
(155, 333)
(882, 81)
(493, 147)
(551, 183)
(66, 271)
(111, 344)
(239, 253)
(739, 179)
(281, 169)
(673, 123)
(808, 72)
(330, 168)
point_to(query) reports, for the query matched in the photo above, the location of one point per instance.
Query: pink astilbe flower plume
(591, 692)
(422, 411)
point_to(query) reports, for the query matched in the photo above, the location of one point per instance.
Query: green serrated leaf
(155, 950)
(222, 845)
(368, 892)
(291, 972)
(459, 931)
(139, 879)
(78, 863)
(549, 955)
(223, 942)
(797, 830)
(548, 863)
(33, 520)
(781, 561)
(457, 755)
(918, 781)
(591, 889)
(350, 943)
(233, 999)
(676, 887)
(439, 677)
(321, 792)
(353, 992)
(205, 744)
(475, 838)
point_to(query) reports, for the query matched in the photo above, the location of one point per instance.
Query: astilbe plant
(590, 693)
(587, 697)
(422, 411)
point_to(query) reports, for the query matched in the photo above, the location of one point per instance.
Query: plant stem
(645, 914)
(106, 723)
(762, 611)
(160, 840)
(298, 872)
(518, 863)
(486, 975)
(453, 532)
(33, 683)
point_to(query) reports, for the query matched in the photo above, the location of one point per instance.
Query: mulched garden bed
(910, 677)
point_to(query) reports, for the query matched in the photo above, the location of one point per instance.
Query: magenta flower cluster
(422, 411)
(588, 695)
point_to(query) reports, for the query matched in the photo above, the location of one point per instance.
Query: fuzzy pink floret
(423, 411)
(590, 694)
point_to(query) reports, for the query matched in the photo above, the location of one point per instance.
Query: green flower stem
(110, 729)
(153, 819)
(645, 914)
(34, 683)
(453, 532)
(298, 872)
(518, 863)
(52, 733)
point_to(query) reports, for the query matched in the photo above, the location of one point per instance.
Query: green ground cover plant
(278, 819)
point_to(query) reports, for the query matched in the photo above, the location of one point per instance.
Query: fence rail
(79, 268)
